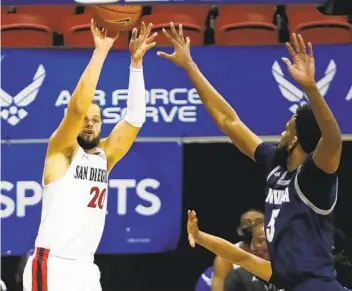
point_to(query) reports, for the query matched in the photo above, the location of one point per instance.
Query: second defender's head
(302, 132)
(259, 245)
(247, 221)
(89, 137)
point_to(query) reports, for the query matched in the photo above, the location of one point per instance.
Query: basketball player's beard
(88, 144)
(281, 156)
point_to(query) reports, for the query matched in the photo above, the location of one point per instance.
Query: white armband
(136, 99)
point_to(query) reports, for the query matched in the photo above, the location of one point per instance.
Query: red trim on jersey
(40, 270)
(34, 271)
(45, 270)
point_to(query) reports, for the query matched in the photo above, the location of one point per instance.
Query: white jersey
(74, 207)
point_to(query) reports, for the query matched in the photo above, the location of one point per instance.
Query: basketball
(116, 17)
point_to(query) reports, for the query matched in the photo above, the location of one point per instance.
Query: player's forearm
(235, 255)
(85, 89)
(221, 247)
(327, 123)
(218, 108)
(136, 100)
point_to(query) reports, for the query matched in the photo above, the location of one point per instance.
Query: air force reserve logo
(295, 95)
(12, 107)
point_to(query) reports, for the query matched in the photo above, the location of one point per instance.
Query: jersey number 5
(270, 229)
(98, 198)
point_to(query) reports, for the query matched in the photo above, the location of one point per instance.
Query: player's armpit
(221, 269)
(120, 140)
(235, 255)
(264, 155)
(316, 186)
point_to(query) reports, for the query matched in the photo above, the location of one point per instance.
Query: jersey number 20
(98, 198)
(270, 229)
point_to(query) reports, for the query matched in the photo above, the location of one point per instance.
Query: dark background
(219, 183)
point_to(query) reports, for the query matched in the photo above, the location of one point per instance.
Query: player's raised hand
(192, 228)
(181, 55)
(302, 67)
(140, 44)
(101, 40)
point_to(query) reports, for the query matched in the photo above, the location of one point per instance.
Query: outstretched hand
(141, 44)
(192, 228)
(101, 40)
(181, 55)
(303, 67)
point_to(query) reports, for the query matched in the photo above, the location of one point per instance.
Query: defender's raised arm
(219, 109)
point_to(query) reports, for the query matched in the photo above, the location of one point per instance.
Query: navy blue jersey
(299, 233)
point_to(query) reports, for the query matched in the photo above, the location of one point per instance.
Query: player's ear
(239, 231)
(293, 143)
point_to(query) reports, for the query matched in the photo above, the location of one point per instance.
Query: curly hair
(307, 129)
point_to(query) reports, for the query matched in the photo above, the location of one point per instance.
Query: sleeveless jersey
(299, 234)
(74, 207)
(299, 239)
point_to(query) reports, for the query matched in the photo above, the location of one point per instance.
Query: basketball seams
(117, 10)
(116, 17)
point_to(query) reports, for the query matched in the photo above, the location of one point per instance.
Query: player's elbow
(327, 165)
(76, 109)
(227, 124)
(232, 128)
(334, 142)
(80, 101)
(331, 135)
(327, 155)
(240, 258)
